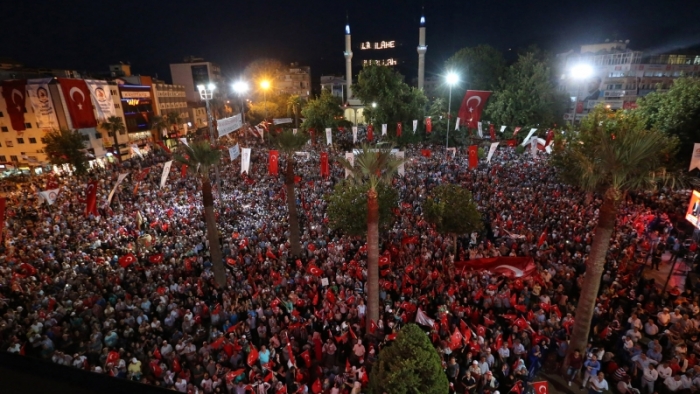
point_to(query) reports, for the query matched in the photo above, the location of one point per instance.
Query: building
(195, 71)
(334, 84)
(138, 105)
(619, 75)
(172, 99)
(296, 80)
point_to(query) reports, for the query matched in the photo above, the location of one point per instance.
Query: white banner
(114, 189)
(453, 151)
(481, 132)
(40, 98)
(415, 126)
(329, 136)
(294, 131)
(49, 196)
(695, 158)
(401, 155)
(384, 129)
(349, 156)
(102, 99)
(234, 152)
(527, 139)
(136, 151)
(492, 150)
(503, 128)
(184, 141)
(354, 134)
(457, 124)
(166, 172)
(245, 160)
(533, 146)
(277, 121)
(305, 155)
(227, 126)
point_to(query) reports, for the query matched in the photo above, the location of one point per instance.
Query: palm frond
(199, 156)
(373, 166)
(288, 142)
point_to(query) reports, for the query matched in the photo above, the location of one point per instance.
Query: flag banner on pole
(166, 172)
(14, 92)
(136, 151)
(350, 157)
(294, 131)
(428, 125)
(102, 99)
(91, 199)
(453, 151)
(384, 129)
(277, 121)
(329, 136)
(457, 124)
(481, 132)
(77, 98)
(415, 125)
(401, 155)
(695, 158)
(510, 267)
(184, 141)
(40, 98)
(234, 152)
(516, 131)
(473, 156)
(325, 169)
(527, 139)
(272, 167)
(47, 195)
(492, 150)
(533, 146)
(503, 128)
(354, 134)
(472, 105)
(399, 128)
(492, 132)
(245, 160)
(120, 179)
(370, 133)
(229, 125)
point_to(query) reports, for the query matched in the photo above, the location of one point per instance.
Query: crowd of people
(67, 296)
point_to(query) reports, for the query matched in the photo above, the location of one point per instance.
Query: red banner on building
(272, 167)
(473, 156)
(472, 105)
(511, 267)
(77, 97)
(398, 129)
(14, 93)
(91, 199)
(325, 169)
(428, 125)
(370, 133)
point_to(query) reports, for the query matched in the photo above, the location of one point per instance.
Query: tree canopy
(347, 207)
(322, 112)
(479, 68)
(66, 147)
(409, 365)
(452, 210)
(199, 157)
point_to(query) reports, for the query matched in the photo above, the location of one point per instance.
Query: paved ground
(678, 276)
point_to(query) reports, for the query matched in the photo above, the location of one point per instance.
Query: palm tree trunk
(591, 281)
(294, 242)
(454, 241)
(372, 258)
(217, 259)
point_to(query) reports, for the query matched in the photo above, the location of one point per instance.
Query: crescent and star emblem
(518, 272)
(18, 93)
(73, 90)
(478, 102)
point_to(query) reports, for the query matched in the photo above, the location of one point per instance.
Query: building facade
(296, 80)
(172, 99)
(193, 72)
(335, 85)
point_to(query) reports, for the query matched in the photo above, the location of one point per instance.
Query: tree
(676, 112)
(158, 124)
(349, 202)
(373, 167)
(114, 126)
(289, 143)
(294, 104)
(66, 147)
(200, 157)
(480, 68)
(173, 120)
(527, 95)
(451, 209)
(322, 112)
(409, 365)
(612, 154)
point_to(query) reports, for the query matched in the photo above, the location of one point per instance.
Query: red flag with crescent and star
(428, 125)
(325, 169)
(399, 128)
(370, 133)
(472, 105)
(77, 98)
(14, 92)
(473, 156)
(492, 131)
(127, 260)
(540, 387)
(91, 199)
(272, 167)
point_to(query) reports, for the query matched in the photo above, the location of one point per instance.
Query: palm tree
(200, 157)
(612, 154)
(294, 104)
(115, 125)
(289, 143)
(172, 119)
(158, 124)
(373, 167)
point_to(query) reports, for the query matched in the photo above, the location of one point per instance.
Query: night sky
(90, 35)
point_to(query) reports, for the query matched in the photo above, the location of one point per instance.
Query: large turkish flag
(472, 105)
(14, 92)
(272, 167)
(511, 267)
(77, 96)
(473, 156)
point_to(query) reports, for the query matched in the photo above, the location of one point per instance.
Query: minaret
(348, 60)
(422, 48)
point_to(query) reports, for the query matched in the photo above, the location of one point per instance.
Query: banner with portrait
(101, 99)
(40, 98)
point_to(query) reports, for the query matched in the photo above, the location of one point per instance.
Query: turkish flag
(398, 129)
(473, 156)
(492, 131)
(384, 261)
(306, 356)
(77, 98)
(372, 327)
(315, 271)
(510, 267)
(91, 199)
(543, 238)
(14, 93)
(472, 105)
(456, 339)
(272, 168)
(370, 133)
(540, 387)
(316, 388)
(511, 143)
(156, 258)
(425, 152)
(428, 125)
(252, 356)
(325, 169)
(183, 171)
(127, 260)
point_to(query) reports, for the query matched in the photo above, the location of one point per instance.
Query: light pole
(206, 93)
(265, 85)
(578, 74)
(240, 88)
(451, 79)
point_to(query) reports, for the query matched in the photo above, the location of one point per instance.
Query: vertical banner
(428, 125)
(503, 128)
(294, 131)
(166, 172)
(399, 128)
(329, 136)
(40, 98)
(101, 99)
(492, 150)
(325, 169)
(370, 133)
(383, 128)
(184, 141)
(14, 93)
(350, 157)
(492, 132)
(120, 179)
(516, 131)
(415, 125)
(695, 158)
(472, 105)
(473, 156)
(533, 146)
(91, 199)
(527, 139)
(354, 134)
(77, 98)
(401, 155)
(457, 124)
(183, 171)
(245, 160)
(481, 132)
(272, 167)
(234, 152)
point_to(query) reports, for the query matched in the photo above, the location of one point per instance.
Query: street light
(206, 93)
(451, 78)
(578, 73)
(265, 84)
(240, 87)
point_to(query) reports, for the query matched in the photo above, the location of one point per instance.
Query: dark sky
(89, 35)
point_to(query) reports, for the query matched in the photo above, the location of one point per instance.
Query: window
(3, 158)
(116, 106)
(4, 129)
(32, 140)
(13, 158)
(28, 125)
(20, 140)
(2, 115)
(9, 143)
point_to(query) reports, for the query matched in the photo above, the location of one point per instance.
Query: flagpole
(449, 108)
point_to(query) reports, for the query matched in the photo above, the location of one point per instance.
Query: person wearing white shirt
(504, 352)
(649, 376)
(673, 383)
(634, 321)
(651, 329)
(664, 371)
(664, 318)
(597, 384)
